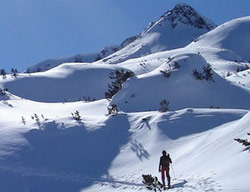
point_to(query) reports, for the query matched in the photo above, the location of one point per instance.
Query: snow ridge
(79, 58)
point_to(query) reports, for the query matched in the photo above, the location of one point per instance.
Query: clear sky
(35, 30)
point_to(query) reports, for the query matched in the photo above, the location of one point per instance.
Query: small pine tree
(36, 117)
(238, 69)
(164, 105)
(242, 68)
(244, 142)
(14, 72)
(118, 77)
(166, 73)
(112, 110)
(197, 74)
(208, 75)
(3, 73)
(23, 120)
(76, 116)
(3, 91)
(176, 65)
(229, 74)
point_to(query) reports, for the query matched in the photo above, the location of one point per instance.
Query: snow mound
(181, 89)
(68, 82)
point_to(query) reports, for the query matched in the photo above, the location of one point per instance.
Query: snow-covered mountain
(57, 134)
(212, 49)
(84, 58)
(176, 28)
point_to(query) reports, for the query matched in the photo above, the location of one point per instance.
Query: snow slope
(43, 148)
(203, 159)
(233, 35)
(181, 89)
(175, 29)
(110, 153)
(226, 48)
(67, 82)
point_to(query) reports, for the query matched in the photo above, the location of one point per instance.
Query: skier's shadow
(180, 184)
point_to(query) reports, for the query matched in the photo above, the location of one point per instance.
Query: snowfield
(204, 79)
(65, 83)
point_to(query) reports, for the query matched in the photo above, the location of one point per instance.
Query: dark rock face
(183, 13)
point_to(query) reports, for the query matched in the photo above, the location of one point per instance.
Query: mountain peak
(174, 29)
(183, 13)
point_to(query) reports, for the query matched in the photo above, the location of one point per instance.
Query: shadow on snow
(65, 159)
(176, 126)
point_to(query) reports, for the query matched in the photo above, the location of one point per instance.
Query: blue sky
(35, 30)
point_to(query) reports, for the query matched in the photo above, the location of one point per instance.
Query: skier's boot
(169, 186)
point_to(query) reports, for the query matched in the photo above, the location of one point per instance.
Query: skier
(165, 160)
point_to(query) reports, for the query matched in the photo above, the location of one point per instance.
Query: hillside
(65, 83)
(176, 28)
(233, 35)
(61, 154)
(188, 97)
(181, 89)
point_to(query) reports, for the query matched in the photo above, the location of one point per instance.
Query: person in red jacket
(165, 160)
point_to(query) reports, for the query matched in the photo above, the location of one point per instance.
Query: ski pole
(173, 170)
